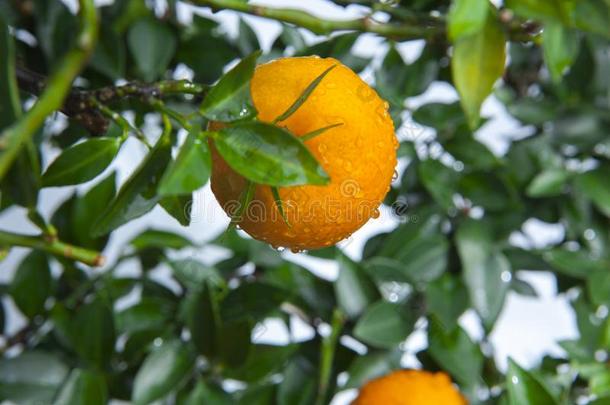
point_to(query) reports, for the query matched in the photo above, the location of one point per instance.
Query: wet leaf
(267, 154)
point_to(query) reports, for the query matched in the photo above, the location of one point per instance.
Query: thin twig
(59, 85)
(327, 355)
(53, 246)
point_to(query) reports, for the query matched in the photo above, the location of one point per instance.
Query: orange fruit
(410, 387)
(359, 155)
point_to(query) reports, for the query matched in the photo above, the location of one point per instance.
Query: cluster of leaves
(192, 337)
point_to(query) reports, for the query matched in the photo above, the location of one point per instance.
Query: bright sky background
(527, 329)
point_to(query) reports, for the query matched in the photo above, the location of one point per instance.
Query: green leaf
(109, 57)
(191, 169)
(10, 106)
(161, 372)
(304, 96)
(207, 394)
(385, 324)
(230, 100)
(547, 183)
(453, 350)
(447, 299)
(178, 207)
(267, 154)
(595, 184)
(203, 320)
(558, 10)
(560, 46)
(576, 264)
(83, 388)
(247, 41)
(299, 385)
(194, 274)
(278, 203)
(235, 342)
(310, 135)
(439, 180)
(487, 272)
(253, 301)
(86, 209)
(132, 200)
(524, 388)
(33, 377)
(31, 285)
(81, 162)
(598, 286)
(154, 238)
(152, 45)
(93, 334)
(467, 17)
(372, 365)
(262, 361)
(477, 63)
(151, 313)
(354, 290)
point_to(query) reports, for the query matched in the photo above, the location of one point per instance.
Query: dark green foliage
(90, 336)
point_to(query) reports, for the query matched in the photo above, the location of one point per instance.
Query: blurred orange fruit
(359, 155)
(410, 387)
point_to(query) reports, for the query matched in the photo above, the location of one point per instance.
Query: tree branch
(83, 105)
(412, 26)
(15, 136)
(53, 246)
(324, 26)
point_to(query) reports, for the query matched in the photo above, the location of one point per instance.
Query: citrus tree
(92, 334)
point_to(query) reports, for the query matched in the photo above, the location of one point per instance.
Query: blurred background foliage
(190, 338)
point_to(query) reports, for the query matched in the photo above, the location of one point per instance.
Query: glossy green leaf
(354, 290)
(148, 314)
(161, 372)
(152, 45)
(93, 333)
(31, 285)
(267, 154)
(560, 46)
(230, 100)
(596, 185)
(385, 324)
(447, 299)
(525, 389)
(86, 209)
(439, 180)
(262, 361)
(179, 207)
(133, 201)
(83, 388)
(455, 353)
(558, 10)
(477, 63)
(203, 319)
(310, 135)
(372, 365)
(548, 183)
(467, 17)
(487, 273)
(576, 264)
(154, 238)
(190, 170)
(247, 41)
(304, 96)
(194, 274)
(208, 394)
(32, 377)
(298, 387)
(81, 162)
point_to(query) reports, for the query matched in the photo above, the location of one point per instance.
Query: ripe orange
(410, 387)
(359, 155)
